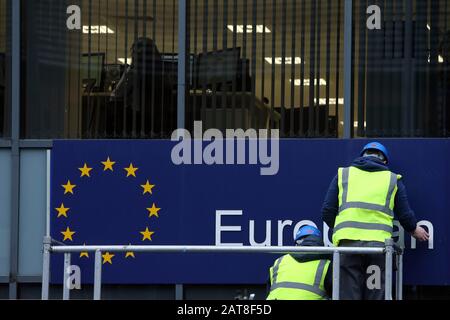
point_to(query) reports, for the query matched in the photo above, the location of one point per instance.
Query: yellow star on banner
(68, 188)
(107, 257)
(129, 254)
(108, 165)
(84, 254)
(68, 234)
(153, 211)
(148, 187)
(131, 171)
(147, 234)
(85, 171)
(62, 211)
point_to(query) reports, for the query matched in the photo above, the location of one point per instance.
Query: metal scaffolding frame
(389, 250)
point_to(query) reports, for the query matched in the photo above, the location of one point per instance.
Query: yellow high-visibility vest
(366, 204)
(293, 280)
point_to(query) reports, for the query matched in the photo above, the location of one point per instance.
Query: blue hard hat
(307, 230)
(376, 146)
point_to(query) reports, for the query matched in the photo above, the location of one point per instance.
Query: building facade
(139, 69)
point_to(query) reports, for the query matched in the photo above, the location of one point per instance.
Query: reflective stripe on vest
(364, 205)
(315, 288)
(362, 225)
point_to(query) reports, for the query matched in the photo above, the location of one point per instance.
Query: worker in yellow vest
(360, 207)
(302, 276)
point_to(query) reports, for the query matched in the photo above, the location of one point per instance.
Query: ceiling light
(332, 101)
(440, 58)
(287, 60)
(249, 28)
(355, 124)
(97, 30)
(122, 60)
(307, 82)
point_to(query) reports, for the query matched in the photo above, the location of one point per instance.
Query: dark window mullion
(407, 107)
(224, 105)
(272, 80)
(243, 94)
(338, 61)
(234, 84)
(97, 108)
(79, 93)
(105, 100)
(165, 59)
(215, 71)
(194, 68)
(283, 68)
(116, 59)
(174, 33)
(125, 99)
(445, 129)
(204, 71)
(293, 66)
(89, 107)
(68, 114)
(385, 124)
(399, 54)
(136, 83)
(253, 112)
(263, 53)
(144, 78)
(302, 68)
(328, 68)
(434, 74)
(312, 59)
(153, 132)
(362, 70)
(316, 79)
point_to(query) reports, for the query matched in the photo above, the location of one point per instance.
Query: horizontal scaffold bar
(216, 249)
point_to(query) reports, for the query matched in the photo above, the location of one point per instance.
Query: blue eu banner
(135, 192)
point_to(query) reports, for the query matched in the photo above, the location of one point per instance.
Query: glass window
(4, 68)
(402, 83)
(266, 64)
(250, 64)
(114, 77)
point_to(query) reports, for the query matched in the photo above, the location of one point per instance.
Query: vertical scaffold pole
(388, 274)
(336, 274)
(66, 284)
(98, 275)
(46, 268)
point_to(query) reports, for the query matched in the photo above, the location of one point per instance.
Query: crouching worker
(302, 276)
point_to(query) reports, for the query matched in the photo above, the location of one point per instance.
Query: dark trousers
(355, 272)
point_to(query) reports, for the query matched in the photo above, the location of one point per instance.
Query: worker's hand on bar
(420, 234)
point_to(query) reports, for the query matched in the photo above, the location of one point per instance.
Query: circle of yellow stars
(108, 165)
